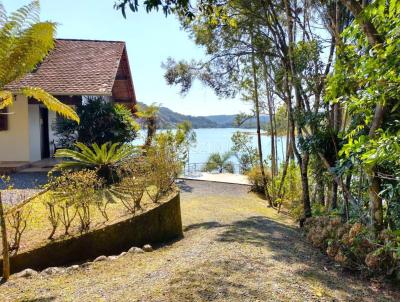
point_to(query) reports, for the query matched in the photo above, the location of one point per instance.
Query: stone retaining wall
(160, 224)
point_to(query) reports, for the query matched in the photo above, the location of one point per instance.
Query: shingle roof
(76, 67)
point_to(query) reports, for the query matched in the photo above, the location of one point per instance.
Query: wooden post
(6, 255)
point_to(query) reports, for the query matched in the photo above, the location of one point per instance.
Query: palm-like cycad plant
(24, 43)
(104, 159)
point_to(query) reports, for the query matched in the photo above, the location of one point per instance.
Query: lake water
(211, 140)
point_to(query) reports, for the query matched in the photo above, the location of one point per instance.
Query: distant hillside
(169, 119)
(228, 121)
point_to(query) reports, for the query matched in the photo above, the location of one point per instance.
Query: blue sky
(151, 39)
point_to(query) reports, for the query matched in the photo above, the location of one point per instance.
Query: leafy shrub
(18, 221)
(255, 179)
(354, 246)
(53, 214)
(244, 151)
(101, 121)
(73, 192)
(290, 191)
(164, 163)
(219, 162)
(133, 183)
(17, 216)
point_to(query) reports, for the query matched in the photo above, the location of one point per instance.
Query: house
(72, 70)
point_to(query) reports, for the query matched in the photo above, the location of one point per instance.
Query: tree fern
(24, 43)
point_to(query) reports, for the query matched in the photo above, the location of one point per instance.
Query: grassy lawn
(235, 249)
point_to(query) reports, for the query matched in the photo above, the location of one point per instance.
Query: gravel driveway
(24, 186)
(235, 249)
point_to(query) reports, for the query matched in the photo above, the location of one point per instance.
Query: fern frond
(71, 164)
(50, 102)
(74, 155)
(6, 99)
(20, 53)
(25, 15)
(111, 152)
(85, 149)
(3, 15)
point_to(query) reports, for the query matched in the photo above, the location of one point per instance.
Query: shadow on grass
(185, 187)
(287, 247)
(46, 299)
(203, 225)
(214, 281)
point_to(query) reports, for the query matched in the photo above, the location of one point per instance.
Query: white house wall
(34, 133)
(14, 143)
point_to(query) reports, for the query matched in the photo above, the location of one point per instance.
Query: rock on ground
(100, 258)
(135, 250)
(26, 273)
(147, 248)
(52, 270)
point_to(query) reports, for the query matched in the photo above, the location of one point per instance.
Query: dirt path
(235, 249)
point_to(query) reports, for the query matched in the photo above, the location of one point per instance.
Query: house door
(44, 132)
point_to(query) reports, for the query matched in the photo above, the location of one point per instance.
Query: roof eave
(109, 93)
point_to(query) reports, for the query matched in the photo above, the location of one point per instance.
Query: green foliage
(350, 143)
(244, 151)
(281, 120)
(149, 115)
(219, 162)
(353, 246)
(104, 159)
(72, 195)
(165, 162)
(101, 122)
(24, 43)
(255, 178)
(134, 179)
(290, 195)
(365, 76)
(168, 6)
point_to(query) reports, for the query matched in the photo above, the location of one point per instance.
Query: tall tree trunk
(346, 199)
(151, 131)
(6, 254)
(305, 186)
(334, 196)
(257, 109)
(289, 155)
(274, 170)
(304, 158)
(375, 203)
(320, 186)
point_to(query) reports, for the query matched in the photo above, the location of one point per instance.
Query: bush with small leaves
(133, 182)
(18, 221)
(17, 216)
(75, 192)
(164, 165)
(53, 213)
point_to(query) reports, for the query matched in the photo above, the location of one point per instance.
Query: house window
(3, 119)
